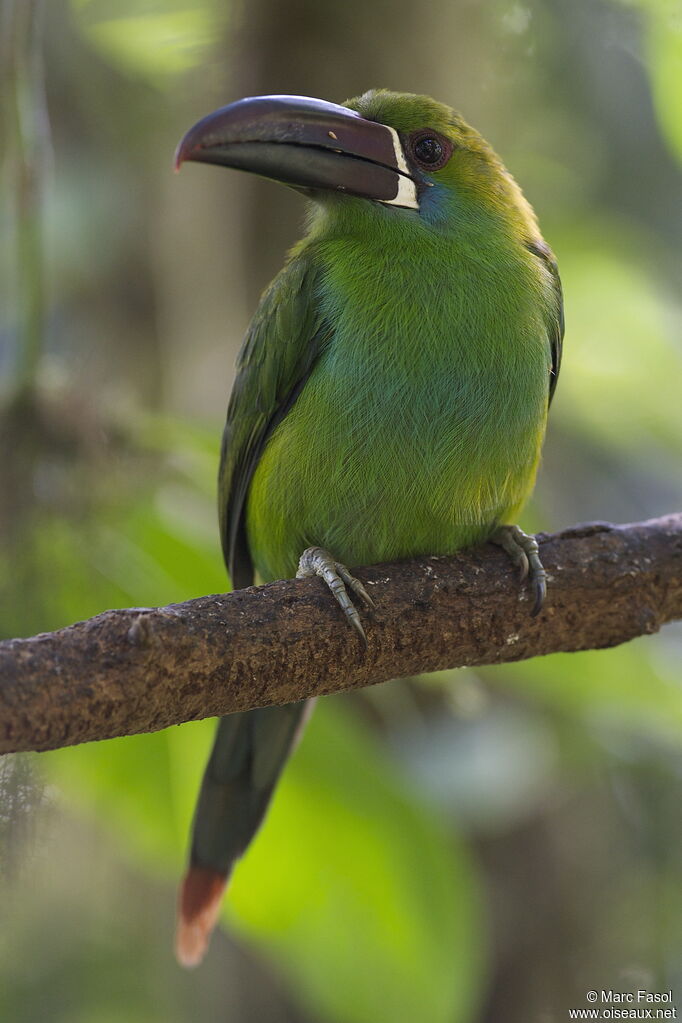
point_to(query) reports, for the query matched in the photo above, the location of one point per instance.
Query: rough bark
(142, 669)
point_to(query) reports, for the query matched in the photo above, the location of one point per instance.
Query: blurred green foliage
(152, 40)
(663, 35)
(482, 845)
(351, 885)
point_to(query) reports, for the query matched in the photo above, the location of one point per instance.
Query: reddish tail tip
(198, 908)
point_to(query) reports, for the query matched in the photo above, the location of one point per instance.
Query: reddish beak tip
(182, 153)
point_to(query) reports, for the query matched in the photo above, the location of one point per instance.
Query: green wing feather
(282, 344)
(556, 324)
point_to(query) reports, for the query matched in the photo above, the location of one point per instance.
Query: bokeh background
(474, 846)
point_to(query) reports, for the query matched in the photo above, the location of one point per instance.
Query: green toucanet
(391, 394)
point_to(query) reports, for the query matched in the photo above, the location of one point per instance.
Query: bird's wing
(555, 323)
(283, 342)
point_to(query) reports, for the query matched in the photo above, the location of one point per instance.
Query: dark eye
(430, 150)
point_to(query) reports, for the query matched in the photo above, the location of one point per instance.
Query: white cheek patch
(407, 189)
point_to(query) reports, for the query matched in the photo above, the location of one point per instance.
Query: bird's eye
(431, 151)
(428, 150)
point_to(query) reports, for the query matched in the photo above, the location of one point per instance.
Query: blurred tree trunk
(24, 140)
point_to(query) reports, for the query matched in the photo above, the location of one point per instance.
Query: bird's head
(398, 152)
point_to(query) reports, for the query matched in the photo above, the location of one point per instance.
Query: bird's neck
(422, 296)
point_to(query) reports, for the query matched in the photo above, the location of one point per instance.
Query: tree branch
(142, 669)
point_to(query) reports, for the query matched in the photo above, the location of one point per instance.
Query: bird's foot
(525, 553)
(318, 561)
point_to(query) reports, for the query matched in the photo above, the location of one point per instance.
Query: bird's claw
(525, 554)
(355, 584)
(317, 561)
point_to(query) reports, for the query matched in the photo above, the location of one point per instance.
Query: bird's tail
(249, 752)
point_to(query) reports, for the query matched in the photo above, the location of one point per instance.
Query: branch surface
(142, 669)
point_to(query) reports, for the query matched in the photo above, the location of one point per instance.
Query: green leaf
(663, 39)
(624, 340)
(141, 788)
(664, 47)
(633, 686)
(152, 43)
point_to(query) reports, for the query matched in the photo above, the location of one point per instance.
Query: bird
(391, 393)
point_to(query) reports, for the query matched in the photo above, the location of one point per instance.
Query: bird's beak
(307, 143)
